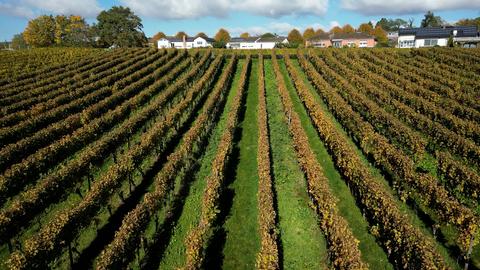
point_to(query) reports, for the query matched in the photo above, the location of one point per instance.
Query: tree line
(120, 27)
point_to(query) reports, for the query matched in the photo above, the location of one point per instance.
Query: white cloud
(279, 28)
(192, 9)
(32, 8)
(382, 7)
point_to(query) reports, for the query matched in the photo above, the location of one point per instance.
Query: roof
(440, 32)
(188, 39)
(277, 39)
(240, 39)
(357, 35)
(323, 36)
(272, 39)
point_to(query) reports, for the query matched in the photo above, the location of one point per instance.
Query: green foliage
(391, 24)
(467, 22)
(18, 42)
(431, 20)
(40, 32)
(120, 27)
(268, 35)
(219, 44)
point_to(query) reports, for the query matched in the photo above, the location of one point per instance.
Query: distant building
(465, 36)
(185, 42)
(319, 41)
(360, 40)
(256, 42)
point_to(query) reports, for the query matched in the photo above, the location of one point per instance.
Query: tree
(245, 35)
(431, 20)
(295, 38)
(222, 36)
(181, 34)
(158, 36)
(18, 42)
(410, 22)
(268, 35)
(202, 34)
(336, 30)
(319, 31)
(78, 32)
(40, 32)
(380, 35)
(365, 28)
(308, 33)
(119, 26)
(467, 22)
(61, 24)
(392, 24)
(347, 28)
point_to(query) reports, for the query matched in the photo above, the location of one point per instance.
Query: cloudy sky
(254, 16)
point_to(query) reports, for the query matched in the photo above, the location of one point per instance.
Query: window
(430, 42)
(199, 42)
(351, 44)
(407, 44)
(363, 44)
(337, 44)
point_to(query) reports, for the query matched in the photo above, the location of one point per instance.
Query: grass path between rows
(174, 256)
(302, 244)
(241, 226)
(372, 253)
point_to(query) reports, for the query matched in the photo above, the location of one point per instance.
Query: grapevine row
(31, 202)
(15, 177)
(29, 126)
(449, 98)
(408, 96)
(434, 195)
(49, 241)
(198, 236)
(127, 237)
(56, 95)
(267, 257)
(437, 133)
(343, 246)
(406, 246)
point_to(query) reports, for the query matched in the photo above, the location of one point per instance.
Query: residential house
(466, 36)
(359, 40)
(256, 42)
(185, 42)
(341, 40)
(319, 41)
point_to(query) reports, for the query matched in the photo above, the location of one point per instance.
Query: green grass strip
(302, 243)
(242, 239)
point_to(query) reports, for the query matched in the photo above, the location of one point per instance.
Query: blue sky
(253, 16)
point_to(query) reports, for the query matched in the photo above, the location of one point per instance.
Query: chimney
(184, 42)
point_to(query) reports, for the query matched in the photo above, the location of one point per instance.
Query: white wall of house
(199, 42)
(406, 41)
(164, 43)
(253, 45)
(430, 42)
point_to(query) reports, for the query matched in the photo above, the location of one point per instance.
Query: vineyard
(208, 159)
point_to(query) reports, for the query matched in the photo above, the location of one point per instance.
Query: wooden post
(70, 254)
(469, 252)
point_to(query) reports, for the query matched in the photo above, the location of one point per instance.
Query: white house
(256, 42)
(185, 42)
(436, 36)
